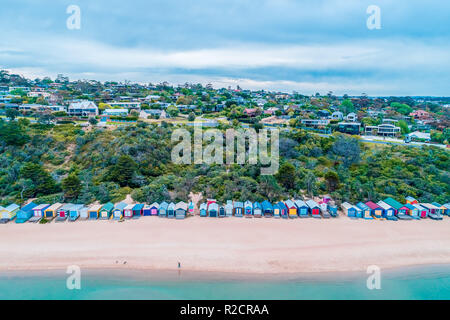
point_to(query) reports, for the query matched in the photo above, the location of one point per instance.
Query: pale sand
(238, 245)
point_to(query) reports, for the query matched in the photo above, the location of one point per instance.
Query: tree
(347, 106)
(285, 175)
(12, 114)
(191, 116)
(93, 121)
(173, 111)
(43, 183)
(347, 149)
(403, 126)
(310, 182)
(332, 179)
(13, 134)
(71, 186)
(46, 118)
(123, 171)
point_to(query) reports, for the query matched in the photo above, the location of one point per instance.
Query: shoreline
(242, 248)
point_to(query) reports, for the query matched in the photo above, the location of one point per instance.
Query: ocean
(428, 283)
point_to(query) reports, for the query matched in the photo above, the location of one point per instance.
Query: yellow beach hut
(10, 211)
(52, 211)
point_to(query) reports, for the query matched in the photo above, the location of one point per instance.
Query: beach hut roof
(108, 206)
(372, 205)
(248, 204)
(129, 207)
(363, 206)
(429, 206)
(410, 206)
(12, 207)
(384, 205)
(300, 203)
(447, 205)
(347, 205)
(138, 206)
(171, 206)
(95, 207)
(41, 206)
(289, 204)
(203, 206)
(437, 205)
(213, 206)
(181, 205)
(266, 205)
(29, 207)
(257, 205)
(163, 205)
(55, 206)
(154, 205)
(77, 207)
(66, 207)
(312, 204)
(393, 203)
(420, 207)
(229, 204)
(409, 198)
(238, 204)
(120, 206)
(282, 205)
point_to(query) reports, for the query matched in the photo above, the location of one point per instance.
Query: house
(171, 210)
(302, 208)
(51, 211)
(116, 112)
(337, 115)
(365, 210)
(351, 117)
(10, 212)
(388, 130)
(128, 211)
(442, 208)
(389, 212)
(349, 210)
(257, 210)
(126, 105)
(375, 210)
(64, 212)
(433, 211)
(138, 210)
(203, 210)
(419, 136)
(280, 211)
(238, 208)
(401, 209)
(93, 211)
(313, 208)
(292, 209)
(352, 128)
(118, 210)
(38, 212)
(154, 209)
(324, 114)
(248, 208)
(163, 209)
(421, 115)
(222, 213)
(75, 211)
(423, 212)
(267, 208)
(229, 208)
(84, 213)
(315, 122)
(84, 108)
(447, 209)
(413, 211)
(250, 112)
(411, 200)
(25, 213)
(181, 210)
(213, 210)
(106, 211)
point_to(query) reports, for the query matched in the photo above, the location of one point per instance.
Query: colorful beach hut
(401, 210)
(75, 211)
(413, 211)
(302, 208)
(25, 213)
(284, 211)
(52, 211)
(64, 212)
(171, 210)
(181, 210)
(324, 210)
(267, 209)
(222, 213)
(349, 210)
(93, 211)
(238, 208)
(375, 210)
(213, 210)
(118, 210)
(203, 210)
(163, 209)
(447, 209)
(442, 209)
(106, 211)
(39, 212)
(333, 209)
(84, 213)
(388, 211)
(257, 210)
(411, 200)
(313, 208)
(277, 210)
(154, 209)
(146, 210)
(229, 208)
(128, 211)
(365, 210)
(292, 209)
(191, 208)
(423, 212)
(10, 211)
(137, 210)
(248, 208)
(433, 211)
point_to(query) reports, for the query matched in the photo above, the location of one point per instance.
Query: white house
(82, 108)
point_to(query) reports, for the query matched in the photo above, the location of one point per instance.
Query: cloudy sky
(303, 45)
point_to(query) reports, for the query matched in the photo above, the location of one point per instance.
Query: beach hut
(313, 208)
(364, 210)
(284, 211)
(447, 209)
(413, 211)
(442, 209)
(248, 208)
(154, 209)
(118, 210)
(222, 212)
(213, 210)
(171, 210)
(375, 210)
(146, 210)
(203, 210)
(9, 212)
(25, 213)
(324, 210)
(257, 210)
(51, 211)
(39, 212)
(84, 213)
(292, 208)
(401, 210)
(74, 211)
(93, 211)
(423, 212)
(276, 210)
(138, 210)
(411, 200)
(388, 211)
(128, 211)
(333, 209)
(163, 209)
(267, 209)
(349, 210)
(229, 208)
(238, 208)
(191, 208)
(433, 211)
(64, 212)
(181, 210)
(302, 208)
(106, 211)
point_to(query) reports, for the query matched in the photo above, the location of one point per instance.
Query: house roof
(95, 207)
(108, 206)
(393, 203)
(266, 205)
(372, 205)
(312, 204)
(120, 206)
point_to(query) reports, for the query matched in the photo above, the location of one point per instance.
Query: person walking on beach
(179, 265)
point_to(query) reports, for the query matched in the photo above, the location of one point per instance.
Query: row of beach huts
(388, 209)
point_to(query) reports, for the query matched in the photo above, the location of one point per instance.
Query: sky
(306, 46)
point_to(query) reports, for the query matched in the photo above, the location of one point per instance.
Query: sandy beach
(235, 245)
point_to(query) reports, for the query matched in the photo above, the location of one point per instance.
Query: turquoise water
(416, 283)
